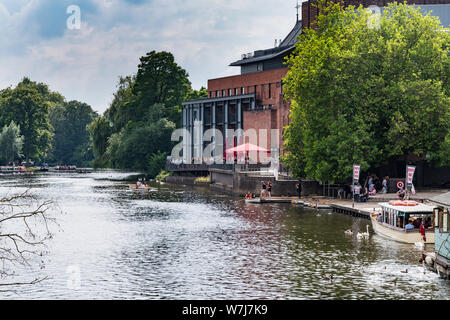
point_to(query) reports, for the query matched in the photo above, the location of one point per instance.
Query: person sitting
(365, 196)
(410, 226)
(380, 218)
(372, 190)
(401, 194)
(428, 223)
(417, 223)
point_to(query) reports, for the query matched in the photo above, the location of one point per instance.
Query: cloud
(204, 35)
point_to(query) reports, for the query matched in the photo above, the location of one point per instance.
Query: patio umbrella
(247, 147)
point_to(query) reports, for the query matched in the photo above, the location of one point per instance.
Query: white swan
(364, 235)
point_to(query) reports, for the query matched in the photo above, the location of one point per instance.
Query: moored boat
(396, 215)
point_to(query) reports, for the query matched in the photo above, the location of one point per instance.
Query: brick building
(254, 99)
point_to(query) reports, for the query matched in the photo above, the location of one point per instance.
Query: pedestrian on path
(299, 190)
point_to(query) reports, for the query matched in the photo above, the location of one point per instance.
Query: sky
(85, 64)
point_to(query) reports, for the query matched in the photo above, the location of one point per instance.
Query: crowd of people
(372, 186)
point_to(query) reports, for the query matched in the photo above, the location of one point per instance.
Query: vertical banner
(356, 172)
(410, 170)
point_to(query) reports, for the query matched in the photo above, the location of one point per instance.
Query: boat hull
(399, 235)
(134, 187)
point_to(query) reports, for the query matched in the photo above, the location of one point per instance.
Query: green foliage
(132, 146)
(196, 94)
(28, 106)
(160, 80)
(156, 163)
(162, 176)
(11, 143)
(203, 180)
(71, 141)
(136, 129)
(100, 131)
(365, 95)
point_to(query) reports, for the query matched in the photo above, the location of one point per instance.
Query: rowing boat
(134, 187)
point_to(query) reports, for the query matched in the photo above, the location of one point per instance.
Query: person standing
(385, 184)
(357, 191)
(299, 189)
(269, 189)
(263, 189)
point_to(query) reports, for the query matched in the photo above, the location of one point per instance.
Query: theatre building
(251, 100)
(254, 99)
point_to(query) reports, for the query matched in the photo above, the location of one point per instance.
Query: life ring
(406, 203)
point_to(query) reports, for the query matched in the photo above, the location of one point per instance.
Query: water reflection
(178, 242)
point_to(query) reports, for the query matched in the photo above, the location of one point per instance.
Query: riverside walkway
(362, 210)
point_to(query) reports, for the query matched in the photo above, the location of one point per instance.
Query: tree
(121, 110)
(28, 106)
(135, 144)
(145, 110)
(365, 95)
(21, 235)
(196, 94)
(11, 143)
(71, 141)
(100, 131)
(160, 80)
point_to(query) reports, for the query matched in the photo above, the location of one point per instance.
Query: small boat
(134, 187)
(394, 217)
(268, 200)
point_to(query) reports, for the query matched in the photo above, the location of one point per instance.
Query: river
(178, 242)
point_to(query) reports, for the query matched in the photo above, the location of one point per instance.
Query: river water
(178, 242)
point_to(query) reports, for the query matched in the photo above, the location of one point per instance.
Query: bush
(156, 163)
(203, 180)
(161, 177)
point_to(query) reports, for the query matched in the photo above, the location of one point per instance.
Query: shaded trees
(135, 131)
(11, 143)
(71, 141)
(365, 95)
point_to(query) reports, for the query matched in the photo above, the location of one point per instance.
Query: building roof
(291, 38)
(442, 199)
(285, 47)
(420, 208)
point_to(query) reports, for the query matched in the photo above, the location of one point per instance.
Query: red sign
(410, 175)
(356, 172)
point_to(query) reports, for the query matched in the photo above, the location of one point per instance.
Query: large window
(444, 222)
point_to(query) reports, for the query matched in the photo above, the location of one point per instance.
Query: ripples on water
(185, 243)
